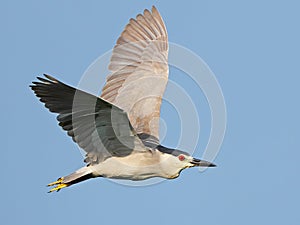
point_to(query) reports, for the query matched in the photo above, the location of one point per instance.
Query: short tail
(76, 177)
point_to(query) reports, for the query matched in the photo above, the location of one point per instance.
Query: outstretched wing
(100, 128)
(139, 72)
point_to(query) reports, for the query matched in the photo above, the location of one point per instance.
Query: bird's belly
(120, 169)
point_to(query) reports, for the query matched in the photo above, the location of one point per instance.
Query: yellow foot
(59, 185)
(59, 181)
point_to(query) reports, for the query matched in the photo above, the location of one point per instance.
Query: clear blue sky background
(252, 47)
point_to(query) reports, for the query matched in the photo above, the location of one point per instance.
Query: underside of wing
(98, 127)
(139, 71)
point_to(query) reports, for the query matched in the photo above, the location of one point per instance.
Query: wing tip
(153, 9)
(49, 77)
(146, 11)
(41, 80)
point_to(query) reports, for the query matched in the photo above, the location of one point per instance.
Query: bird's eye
(181, 157)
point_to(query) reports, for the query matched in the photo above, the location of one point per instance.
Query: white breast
(137, 166)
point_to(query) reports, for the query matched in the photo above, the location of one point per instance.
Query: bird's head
(174, 161)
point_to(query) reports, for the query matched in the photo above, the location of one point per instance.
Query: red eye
(181, 157)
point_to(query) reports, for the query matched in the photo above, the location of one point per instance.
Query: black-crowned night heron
(119, 131)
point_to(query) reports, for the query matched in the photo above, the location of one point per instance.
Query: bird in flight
(119, 131)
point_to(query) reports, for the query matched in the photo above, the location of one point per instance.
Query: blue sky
(253, 49)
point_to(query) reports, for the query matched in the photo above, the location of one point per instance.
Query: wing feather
(139, 71)
(98, 127)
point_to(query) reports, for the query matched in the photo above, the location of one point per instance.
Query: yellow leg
(59, 181)
(59, 185)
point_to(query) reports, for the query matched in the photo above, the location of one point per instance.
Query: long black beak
(199, 162)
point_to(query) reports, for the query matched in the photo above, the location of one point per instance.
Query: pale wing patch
(139, 66)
